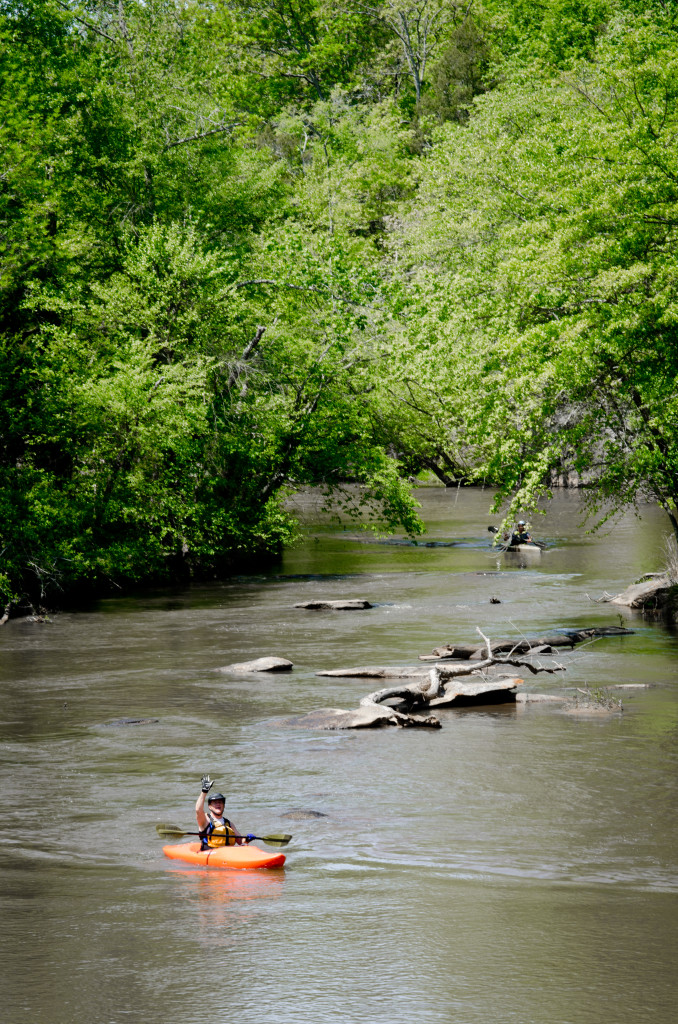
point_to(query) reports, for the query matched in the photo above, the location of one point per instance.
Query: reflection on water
(517, 865)
(221, 901)
(221, 886)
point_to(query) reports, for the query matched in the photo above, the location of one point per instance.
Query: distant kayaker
(520, 533)
(215, 829)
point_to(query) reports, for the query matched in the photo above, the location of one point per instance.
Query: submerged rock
(117, 722)
(270, 664)
(628, 686)
(592, 709)
(300, 814)
(540, 698)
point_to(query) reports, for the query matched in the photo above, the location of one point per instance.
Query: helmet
(521, 522)
(213, 797)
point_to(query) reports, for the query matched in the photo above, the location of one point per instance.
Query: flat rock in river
(470, 692)
(337, 718)
(350, 605)
(270, 664)
(360, 718)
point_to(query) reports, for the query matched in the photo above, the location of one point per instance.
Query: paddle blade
(170, 831)
(281, 839)
(175, 832)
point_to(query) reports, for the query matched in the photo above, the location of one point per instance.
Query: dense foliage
(248, 246)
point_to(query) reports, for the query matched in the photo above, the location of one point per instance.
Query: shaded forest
(252, 246)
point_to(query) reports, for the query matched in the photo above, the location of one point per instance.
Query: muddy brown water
(518, 866)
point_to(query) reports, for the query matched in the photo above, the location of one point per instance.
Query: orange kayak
(243, 857)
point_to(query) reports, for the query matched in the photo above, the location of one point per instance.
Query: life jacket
(218, 832)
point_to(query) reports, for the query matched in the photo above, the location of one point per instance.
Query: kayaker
(520, 533)
(215, 829)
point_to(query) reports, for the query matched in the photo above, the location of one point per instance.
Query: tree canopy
(248, 247)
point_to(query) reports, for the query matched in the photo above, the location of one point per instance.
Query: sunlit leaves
(552, 220)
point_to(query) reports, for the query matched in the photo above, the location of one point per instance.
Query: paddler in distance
(215, 829)
(520, 533)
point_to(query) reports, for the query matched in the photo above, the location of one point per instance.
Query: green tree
(553, 220)
(179, 341)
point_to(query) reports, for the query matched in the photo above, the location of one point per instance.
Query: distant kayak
(523, 547)
(246, 858)
(505, 545)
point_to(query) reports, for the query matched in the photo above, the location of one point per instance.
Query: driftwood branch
(540, 645)
(448, 691)
(411, 693)
(442, 686)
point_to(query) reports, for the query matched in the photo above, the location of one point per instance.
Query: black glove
(206, 783)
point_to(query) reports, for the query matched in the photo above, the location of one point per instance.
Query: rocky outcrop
(656, 597)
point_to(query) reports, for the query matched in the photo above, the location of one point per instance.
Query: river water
(517, 866)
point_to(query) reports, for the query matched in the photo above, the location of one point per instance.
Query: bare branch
(202, 135)
(87, 24)
(247, 352)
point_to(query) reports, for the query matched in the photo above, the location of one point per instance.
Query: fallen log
(538, 645)
(411, 694)
(436, 692)
(446, 668)
(376, 672)
(471, 652)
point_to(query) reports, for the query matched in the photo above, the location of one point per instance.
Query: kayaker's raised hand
(206, 783)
